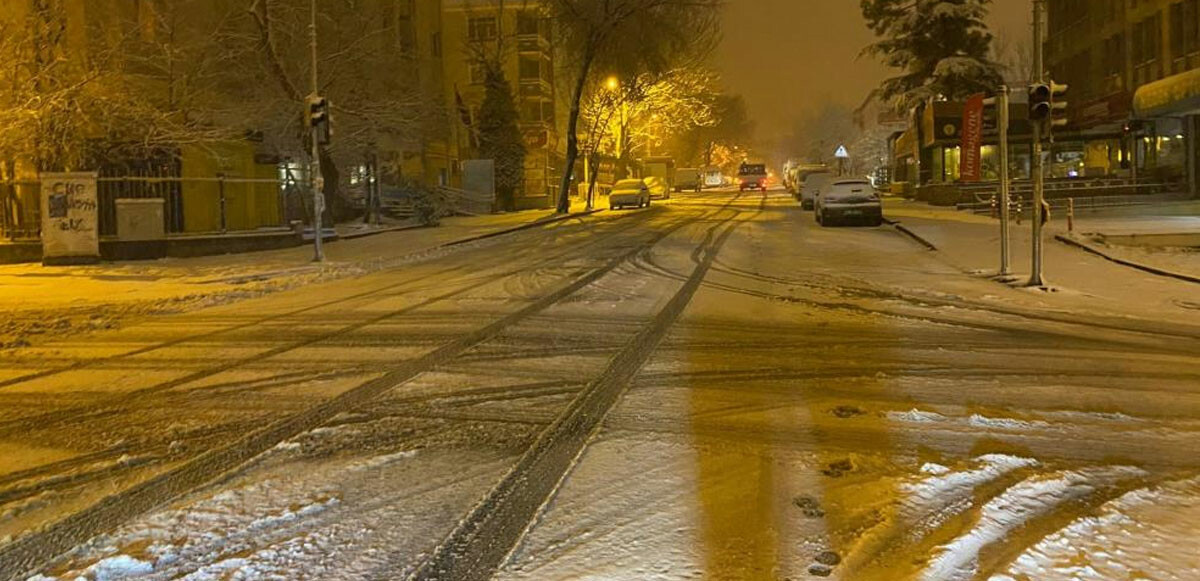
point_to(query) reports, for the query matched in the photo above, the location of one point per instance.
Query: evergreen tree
(500, 138)
(942, 47)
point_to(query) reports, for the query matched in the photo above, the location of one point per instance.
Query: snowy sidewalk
(972, 243)
(38, 301)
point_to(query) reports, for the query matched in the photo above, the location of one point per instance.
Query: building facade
(520, 37)
(1132, 70)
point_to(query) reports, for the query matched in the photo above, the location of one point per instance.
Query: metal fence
(20, 210)
(191, 205)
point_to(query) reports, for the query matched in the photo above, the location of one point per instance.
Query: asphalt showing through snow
(711, 388)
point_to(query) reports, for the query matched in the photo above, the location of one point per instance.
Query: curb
(908, 232)
(525, 226)
(1123, 262)
(376, 232)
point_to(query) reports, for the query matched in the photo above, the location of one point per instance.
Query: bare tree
(629, 37)
(364, 72)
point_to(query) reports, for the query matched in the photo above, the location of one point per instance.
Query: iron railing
(191, 205)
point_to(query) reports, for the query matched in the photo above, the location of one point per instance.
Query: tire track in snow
(476, 548)
(369, 294)
(24, 554)
(73, 413)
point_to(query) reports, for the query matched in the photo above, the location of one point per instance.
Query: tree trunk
(564, 191)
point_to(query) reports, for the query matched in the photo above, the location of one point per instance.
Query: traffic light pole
(1039, 200)
(1039, 178)
(1005, 185)
(317, 179)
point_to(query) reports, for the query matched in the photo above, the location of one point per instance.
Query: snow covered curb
(908, 232)
(1071, 241)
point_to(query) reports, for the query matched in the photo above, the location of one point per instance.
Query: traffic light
(991, 114)
(318, 118)
(1047, 105)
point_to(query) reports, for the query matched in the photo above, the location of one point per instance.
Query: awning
(1174, 95)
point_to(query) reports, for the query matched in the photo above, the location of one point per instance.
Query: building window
(531, 68)
(482, 29)
(478, 73)
(528, 22)
(532, 111)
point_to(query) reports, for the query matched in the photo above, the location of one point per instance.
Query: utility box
(141, 230)
(140, 220)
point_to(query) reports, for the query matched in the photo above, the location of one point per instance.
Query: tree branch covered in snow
(942, 48)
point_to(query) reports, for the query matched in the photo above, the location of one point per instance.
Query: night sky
(786, 56)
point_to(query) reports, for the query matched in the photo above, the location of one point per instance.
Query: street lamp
(612, 83)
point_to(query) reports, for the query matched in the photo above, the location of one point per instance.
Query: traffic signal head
(1058, 105)
(1047, 104)
(318, 117)
(991, 114)
(1039, 102)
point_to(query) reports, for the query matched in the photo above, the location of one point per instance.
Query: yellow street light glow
(612, 83)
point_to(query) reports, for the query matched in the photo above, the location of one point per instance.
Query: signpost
(70, 219)
(842, 155)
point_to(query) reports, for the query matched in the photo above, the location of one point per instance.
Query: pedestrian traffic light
(318, 118)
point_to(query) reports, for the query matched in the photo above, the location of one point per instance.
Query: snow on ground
(1016, 508)
(341, 518)
(1135, 536)
(38, 303)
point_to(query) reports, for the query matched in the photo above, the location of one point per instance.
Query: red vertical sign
(970, 161)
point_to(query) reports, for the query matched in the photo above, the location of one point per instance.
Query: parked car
(688, 179)
(659, 188)
(812, 186)
(849, 200)
(629, 194)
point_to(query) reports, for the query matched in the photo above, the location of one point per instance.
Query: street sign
(970, 162)
(842, 153)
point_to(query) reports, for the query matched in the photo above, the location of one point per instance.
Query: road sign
(842, 153)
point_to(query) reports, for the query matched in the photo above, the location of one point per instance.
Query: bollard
(995, 207)
(1070, 214)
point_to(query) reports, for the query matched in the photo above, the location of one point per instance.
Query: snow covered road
(712, 388)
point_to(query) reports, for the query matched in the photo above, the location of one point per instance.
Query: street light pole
(1039, 174)
(317, 180)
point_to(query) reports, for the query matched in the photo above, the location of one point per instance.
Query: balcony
(535, 87)
(533, 43)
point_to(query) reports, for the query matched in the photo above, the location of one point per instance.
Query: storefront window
(1170, 149)
(1067, 161)
(990, 162)
(948, 170)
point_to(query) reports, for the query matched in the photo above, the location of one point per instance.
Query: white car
(812, 187)
(629, 194)
(659, 188)
(849, 200)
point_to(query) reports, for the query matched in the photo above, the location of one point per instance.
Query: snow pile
(916, 416)
(947, 492)
(1027, 501)
(1136, 536)
(981, 421)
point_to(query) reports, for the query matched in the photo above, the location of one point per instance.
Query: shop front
(1170, 108)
